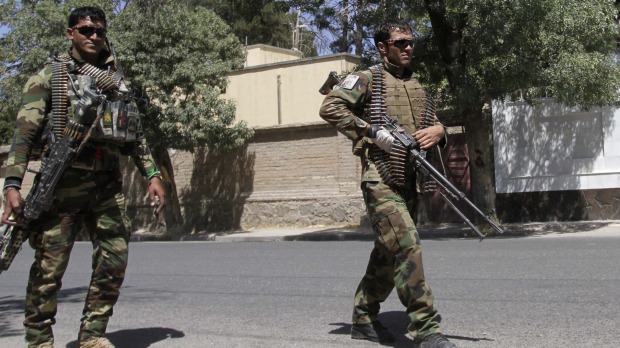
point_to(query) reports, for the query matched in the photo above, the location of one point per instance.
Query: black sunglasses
(88, 31)
(402, 43)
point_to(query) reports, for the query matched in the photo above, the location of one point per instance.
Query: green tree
(267, 22)
(175, 57)
(35, 29)
(483, 50)
(178, 56)
(346, 25)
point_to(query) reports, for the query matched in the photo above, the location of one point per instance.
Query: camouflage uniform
(396, 260)
(88, 197)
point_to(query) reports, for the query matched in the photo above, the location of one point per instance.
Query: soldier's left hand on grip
(381, 137)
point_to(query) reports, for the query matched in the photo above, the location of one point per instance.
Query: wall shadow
(543, 152)
(220, 183)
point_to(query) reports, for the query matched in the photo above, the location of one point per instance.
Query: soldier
(355, 107)
(89, 192)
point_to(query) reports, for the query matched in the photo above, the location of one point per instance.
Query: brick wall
(300, 175)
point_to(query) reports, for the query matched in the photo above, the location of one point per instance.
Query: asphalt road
(506, 292)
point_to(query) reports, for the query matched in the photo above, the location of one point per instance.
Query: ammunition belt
(74, 130)
(59, 96)
(391, 166)
(105, 80)
(428, 119)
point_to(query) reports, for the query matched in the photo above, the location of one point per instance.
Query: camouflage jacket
(346, 105)
(35, 115)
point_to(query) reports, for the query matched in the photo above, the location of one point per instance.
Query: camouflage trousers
(395, 262)
(85, 201)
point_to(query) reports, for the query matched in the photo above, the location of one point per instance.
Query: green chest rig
(116, 120)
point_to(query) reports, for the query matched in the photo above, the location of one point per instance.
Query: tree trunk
(359, 28)
(344, 17)
(479, 136)
(172, 211)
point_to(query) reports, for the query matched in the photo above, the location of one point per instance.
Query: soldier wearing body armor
(356, 106)
(81, 94)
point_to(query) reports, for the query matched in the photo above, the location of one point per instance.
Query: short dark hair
(79, 13)
(386, 28)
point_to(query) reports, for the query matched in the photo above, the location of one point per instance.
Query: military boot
(43, 345)
(435, 340)
(96, 342)
(374, 332)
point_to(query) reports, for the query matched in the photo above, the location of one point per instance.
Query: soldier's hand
(429, 137)
(12, 207)
(157, 194)
(381, 137)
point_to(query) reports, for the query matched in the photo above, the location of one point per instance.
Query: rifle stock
(330, 82)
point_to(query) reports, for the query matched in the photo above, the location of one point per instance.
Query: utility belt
(90, 164)
(90, 158)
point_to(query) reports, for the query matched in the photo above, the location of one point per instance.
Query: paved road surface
(541, 291)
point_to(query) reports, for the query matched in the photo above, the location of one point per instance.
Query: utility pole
(296, 31)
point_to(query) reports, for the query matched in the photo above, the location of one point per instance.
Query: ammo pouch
(360, 146)
(119, 122)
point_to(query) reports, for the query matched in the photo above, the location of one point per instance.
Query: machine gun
(62, 153)
(448, 191)
(11, 240)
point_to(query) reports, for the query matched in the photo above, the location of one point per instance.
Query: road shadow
(13, 307)
(138, 338)
(447, 231)
(397, 322)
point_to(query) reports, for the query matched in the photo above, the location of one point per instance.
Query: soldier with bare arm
(80, 94)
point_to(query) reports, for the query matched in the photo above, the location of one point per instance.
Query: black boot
(436, 340)
(374, 332)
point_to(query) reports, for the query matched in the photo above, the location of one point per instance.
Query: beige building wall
(282, 92)
(265, 54)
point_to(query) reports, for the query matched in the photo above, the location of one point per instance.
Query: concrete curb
(440, 231)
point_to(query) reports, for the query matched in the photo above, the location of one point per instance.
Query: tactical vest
(406, 102)
(116, 119)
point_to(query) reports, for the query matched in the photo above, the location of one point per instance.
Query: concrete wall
(554, 162)
(265, 54)
(283, 93)
(551, 147)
